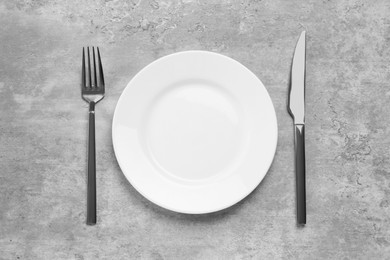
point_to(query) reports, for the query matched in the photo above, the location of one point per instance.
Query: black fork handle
(300, 170)
(91, 193)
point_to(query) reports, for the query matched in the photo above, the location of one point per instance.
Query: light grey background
(43, 129)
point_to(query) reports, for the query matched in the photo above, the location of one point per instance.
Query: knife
(296, 108)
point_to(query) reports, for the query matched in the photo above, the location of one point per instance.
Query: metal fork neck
(91, 107)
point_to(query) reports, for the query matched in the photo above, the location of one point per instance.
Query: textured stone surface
(43, 129)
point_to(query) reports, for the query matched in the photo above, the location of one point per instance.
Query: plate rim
(167, 207)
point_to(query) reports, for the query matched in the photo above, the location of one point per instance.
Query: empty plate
(195, 132)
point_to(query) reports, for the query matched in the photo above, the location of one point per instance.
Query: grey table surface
(43, 129)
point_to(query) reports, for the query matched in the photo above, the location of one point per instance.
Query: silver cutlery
(296, 108)
(92, 91)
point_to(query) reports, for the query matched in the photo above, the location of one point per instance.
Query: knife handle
(300, 170)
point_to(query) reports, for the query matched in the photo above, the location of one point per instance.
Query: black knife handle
(300, 170)
(91, 189)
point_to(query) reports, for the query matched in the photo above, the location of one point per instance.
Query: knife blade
(296, 108)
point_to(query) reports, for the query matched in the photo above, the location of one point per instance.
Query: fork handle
(91, 193)
(300, 170)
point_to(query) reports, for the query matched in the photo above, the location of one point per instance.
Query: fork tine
(95, 83)
(101, 76)
(89, 70)
(83, 71)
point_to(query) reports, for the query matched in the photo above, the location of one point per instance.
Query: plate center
(194, 130)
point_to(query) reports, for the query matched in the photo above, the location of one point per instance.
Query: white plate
(195, 132)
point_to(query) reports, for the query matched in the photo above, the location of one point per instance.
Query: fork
(92, 91)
